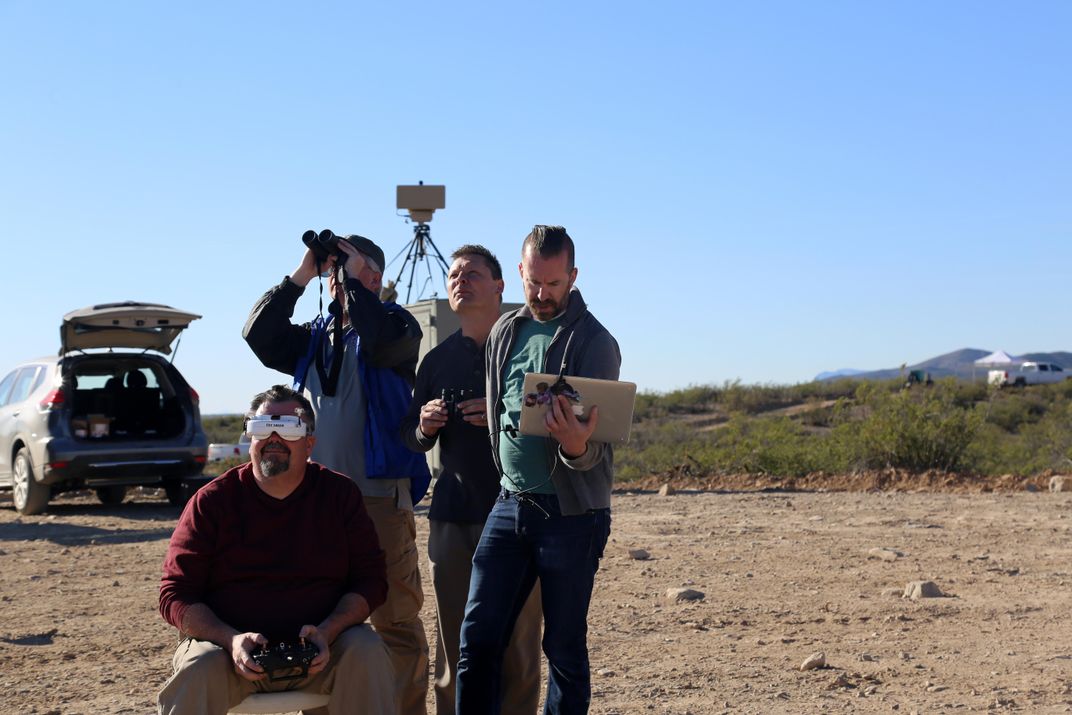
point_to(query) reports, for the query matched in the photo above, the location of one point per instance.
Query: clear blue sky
(759, 191)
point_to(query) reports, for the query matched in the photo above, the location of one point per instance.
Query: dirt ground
(784, 574)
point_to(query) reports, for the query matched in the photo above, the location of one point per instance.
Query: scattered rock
(884, 554)
(1031, 487)
(922, 589)
(639, 554)
(813, 661)
(666, 490)
(839, 682)
(606, 672)
(1061, 484)
(684, 594)
(892, 592)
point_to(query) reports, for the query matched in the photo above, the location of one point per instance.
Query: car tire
(29, 495)
(111, 495)
(177, 491)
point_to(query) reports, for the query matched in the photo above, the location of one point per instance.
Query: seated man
(275, 550)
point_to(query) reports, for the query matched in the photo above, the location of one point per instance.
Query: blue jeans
(521, 543)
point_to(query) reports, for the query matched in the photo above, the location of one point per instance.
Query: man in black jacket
(357, 370)
(448, 406)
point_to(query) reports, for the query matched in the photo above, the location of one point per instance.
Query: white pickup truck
(217, 450)
(1028, 373)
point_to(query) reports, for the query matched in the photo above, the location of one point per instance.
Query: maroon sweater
(271, 565)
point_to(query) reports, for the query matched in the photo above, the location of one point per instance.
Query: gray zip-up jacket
(585, 349)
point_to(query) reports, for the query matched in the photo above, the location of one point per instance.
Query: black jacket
(466, 489)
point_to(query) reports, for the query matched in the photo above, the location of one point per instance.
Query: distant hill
(959, 363)
(843, 372)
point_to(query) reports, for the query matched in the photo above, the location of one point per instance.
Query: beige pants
(398, 620)
(450, 555)
(359, 677)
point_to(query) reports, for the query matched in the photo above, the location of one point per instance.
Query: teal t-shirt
(524, 457)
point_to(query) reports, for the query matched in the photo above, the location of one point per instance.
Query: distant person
(469, 483)
(552, 518)
(357, 370)
(274, 550)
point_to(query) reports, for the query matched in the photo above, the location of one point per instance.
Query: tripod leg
(410, 256)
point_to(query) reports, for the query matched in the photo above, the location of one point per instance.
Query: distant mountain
(959, 363)
(843, 372)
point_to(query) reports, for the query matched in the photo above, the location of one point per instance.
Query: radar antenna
(420, 202)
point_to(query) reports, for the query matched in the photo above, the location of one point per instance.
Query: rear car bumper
(67, 462)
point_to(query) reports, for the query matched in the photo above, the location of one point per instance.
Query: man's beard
(275, 462)
(546, 309)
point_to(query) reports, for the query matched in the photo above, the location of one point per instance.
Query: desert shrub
(658, 448)
(912, 429)
(222, 428)
(773, 445)
(1045, 444)
(1012, 410)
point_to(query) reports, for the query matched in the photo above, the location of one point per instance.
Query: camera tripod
(417, 251)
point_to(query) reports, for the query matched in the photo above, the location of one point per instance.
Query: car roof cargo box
(130, 324)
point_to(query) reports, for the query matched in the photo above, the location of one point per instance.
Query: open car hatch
(148, 326)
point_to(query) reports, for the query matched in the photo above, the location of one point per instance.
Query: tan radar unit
(420, 201)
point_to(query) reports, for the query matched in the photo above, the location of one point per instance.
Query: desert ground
(785, 570)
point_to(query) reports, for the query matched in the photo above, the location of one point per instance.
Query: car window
(23, 382)
(92, 382)
(150, 376)
(1057, 368)
(40, 378)
(5, 386)
(1044, 368)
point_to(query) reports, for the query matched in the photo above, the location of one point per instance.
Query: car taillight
(194, 396)
(52, 400)
(200, 459)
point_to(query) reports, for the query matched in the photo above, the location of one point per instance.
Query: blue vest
(387, 398)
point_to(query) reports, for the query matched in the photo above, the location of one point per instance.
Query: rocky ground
(783, 575)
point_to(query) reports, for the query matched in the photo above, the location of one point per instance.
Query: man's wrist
(571, 454)
(301, 277)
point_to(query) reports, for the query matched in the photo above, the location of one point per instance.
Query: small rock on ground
(813, 661)
(922, 589)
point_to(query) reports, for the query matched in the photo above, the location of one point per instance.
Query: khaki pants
(359, 678)
(450, 555)
(398, 620)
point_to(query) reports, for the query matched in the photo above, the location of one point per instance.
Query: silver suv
(94, 417)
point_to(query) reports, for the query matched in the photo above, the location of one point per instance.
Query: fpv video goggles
(289, 427)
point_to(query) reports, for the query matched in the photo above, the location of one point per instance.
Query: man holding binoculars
(357, 369)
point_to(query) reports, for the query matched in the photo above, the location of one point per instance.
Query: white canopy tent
(998, 357)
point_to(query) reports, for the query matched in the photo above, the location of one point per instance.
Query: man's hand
(433, 417)
(355, 261)
(241, 646)
(474, 411)
(572, 434)
(307, 269)
(314, 636)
